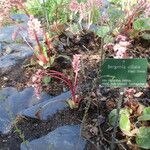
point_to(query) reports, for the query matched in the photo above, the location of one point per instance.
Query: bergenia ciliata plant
(71, 83)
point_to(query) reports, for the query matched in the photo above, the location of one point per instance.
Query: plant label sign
(124, 72)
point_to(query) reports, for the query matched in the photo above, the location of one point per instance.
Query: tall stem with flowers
(72, 83)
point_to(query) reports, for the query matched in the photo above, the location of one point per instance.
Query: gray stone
(48, 108)
(1, 49)
(16, 48)
(19, 17)
(63, 138)
(15, 53)
(13, 102)
(6, 92)
(6, 33)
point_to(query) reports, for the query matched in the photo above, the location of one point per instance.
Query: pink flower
(108, 46)
(94, 3)
(130, 92)
(147, 10)
(37, 83)
(74, 6)
(82, 11)
(76, 63)
(34, 27)
(120, 54)
(120, 48)
(124, 43)
(121, 38)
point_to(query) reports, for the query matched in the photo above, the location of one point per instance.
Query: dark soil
(33, 129)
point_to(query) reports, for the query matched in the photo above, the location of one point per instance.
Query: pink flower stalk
(82, 11)
(76, 68)
(37, 83)
(34, 26)
(61, 76)
(76, 63)
(35, 30)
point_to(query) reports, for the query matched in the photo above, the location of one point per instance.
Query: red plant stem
(38, 42)
(49, 47)
(67, 81)
(69, 84)
(36, 37)
(134, 13)
(59, 73)
(72, 87)
(47, 42)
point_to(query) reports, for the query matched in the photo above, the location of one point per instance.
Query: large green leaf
(146, 36)
(143, 137)
(145, 115)
(124, 122)
(112, 117)
(102, 31)
(114, 17)
(141, 24)
(46, 80)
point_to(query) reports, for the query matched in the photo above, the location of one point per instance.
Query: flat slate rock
(19, 17)
(25, 103)
(14, 54)
(1, 48)
(13, 102)
(63, 138)
(7, 32)
(48, 108)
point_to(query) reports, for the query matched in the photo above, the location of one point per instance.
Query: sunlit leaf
(146, 36)
(143, 137)
(102, 31)
(141, 24)
(112, 117)
(74, 28)
(72, 104)
(47, 80)
(145, 115)
(124, 122)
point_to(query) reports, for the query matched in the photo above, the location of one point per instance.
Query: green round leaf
(146, 36)
(145, 115)
(102, 31)
(143, 137)
(112, 117)
(47, 80)
(141, 24)
(124, 122)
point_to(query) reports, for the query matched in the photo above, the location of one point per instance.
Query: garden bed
(69, 58)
